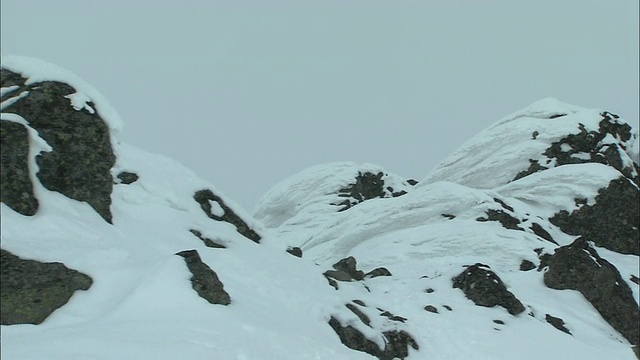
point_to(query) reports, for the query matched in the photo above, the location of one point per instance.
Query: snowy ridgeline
(515, 198)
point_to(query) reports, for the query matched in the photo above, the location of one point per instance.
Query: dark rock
(338, 275)
(16, 188)
(485, 288)
(397, 343)
(507, 221)
(295, 251)
(634, 279)
(392, 317)
(579, 267)
(367, 186)
(557, 323)
(364, 318)
(359, 302)
(378, 272)
(605, 223)
(503, 204)
(447, 307)
(412, 182)
(207, 242)
(332, 282)
(127, 178)
(527, 265)
(589, 143)
(429, 290)
(204, 198)
(31, 290)
(541, 232)
(204, 280)
(448, 216)
(499, 322)
(431, 308)
(348, 265)
(79, 165)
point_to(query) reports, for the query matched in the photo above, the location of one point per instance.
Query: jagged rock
(397, 343)
(205, 197)
(81, 159)
(295, 251)
(127, 178)
(579, 267)
(348, 266)
(367, 186)
(32, 290)
(557, 323)
(507, 221)
(16, 188)
(392, 317)
(207, 242)
(381, 271)
(527, 265)
(204, 280)
(485, 288)
(604, 223)
(541, 232)
(589, 146)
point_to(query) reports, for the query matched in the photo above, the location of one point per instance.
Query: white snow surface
(497, 154)
(141, 304)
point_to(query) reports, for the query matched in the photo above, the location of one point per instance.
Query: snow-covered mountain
(522, 244)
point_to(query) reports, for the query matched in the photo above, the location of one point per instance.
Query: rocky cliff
(522, 244)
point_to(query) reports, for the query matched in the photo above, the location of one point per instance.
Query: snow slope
(142, 305)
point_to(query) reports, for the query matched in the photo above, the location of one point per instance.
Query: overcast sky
(246, 93)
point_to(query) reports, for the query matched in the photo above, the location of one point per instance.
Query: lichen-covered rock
(579, 267)
(79, 165)
(16, 188)
(206, 197)
(31, 290)
(204, 280)
(612, 222)
(485, 288)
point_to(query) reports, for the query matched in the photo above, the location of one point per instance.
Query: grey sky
(246, 93)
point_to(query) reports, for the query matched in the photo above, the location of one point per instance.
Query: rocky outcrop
(603, 146)
(367, 186)
(217, 209)
(204, 280)
(16, 188)
(79, 165)
(579, 267)
(32, 290)
(612, 222)
(485, 288)
(397, 343)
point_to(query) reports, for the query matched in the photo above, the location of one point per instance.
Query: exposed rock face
(205, 199)
(204, 280)
(590, 146)
(485, 288)
(397, 343)
(579, 267)
(367, 186)
(16, 188)
(81, 158)
(32, 290)
(612, 222)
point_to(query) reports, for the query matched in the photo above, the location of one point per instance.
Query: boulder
(16, 188)
(31, 290)
(204, 280)
(579, 267)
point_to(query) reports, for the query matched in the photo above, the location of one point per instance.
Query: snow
(35, 70)
(142, 305)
